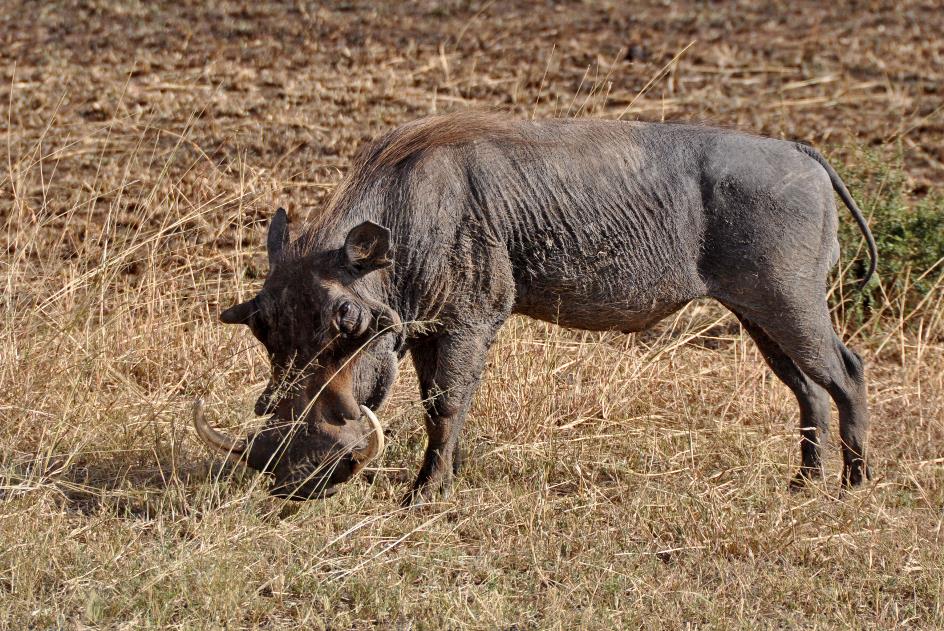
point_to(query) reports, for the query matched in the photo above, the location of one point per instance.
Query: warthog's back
(602, 224)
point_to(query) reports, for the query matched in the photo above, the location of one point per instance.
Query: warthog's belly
(597, 305)
(601, 319)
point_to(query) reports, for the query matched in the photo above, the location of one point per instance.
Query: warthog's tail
(840, 187)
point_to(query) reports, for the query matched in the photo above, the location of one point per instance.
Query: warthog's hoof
(426, 494)
(855, 473)
(804, 477)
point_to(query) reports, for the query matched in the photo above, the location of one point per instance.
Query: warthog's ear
(367, 247)
(239, 314)
(278, 236)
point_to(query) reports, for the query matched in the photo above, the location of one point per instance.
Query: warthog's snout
(305, 463)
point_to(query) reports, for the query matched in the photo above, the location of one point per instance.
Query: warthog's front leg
(449, 367)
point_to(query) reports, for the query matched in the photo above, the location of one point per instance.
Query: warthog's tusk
(218, 441)
(375, 442)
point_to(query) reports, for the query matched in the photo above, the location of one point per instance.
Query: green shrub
(909, 233)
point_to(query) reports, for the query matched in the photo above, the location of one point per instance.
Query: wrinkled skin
(453, 224)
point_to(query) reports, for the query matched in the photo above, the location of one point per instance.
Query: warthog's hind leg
(802, 328)
(813, 401)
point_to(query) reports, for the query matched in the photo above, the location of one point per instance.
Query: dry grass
(613, 481)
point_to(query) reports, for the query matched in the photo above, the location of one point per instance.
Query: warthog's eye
(348, 318)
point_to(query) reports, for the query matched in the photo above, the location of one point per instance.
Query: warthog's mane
(412, 139)
(398, 148)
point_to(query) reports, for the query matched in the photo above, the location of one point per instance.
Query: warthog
(447, 226)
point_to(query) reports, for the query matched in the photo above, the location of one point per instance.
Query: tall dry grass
(612, 481)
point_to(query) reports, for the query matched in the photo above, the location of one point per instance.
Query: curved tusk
(218, 441)
(375, 442)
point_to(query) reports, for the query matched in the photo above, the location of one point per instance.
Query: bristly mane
(412, 139)
(399, 146)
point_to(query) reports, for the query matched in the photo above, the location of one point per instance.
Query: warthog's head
(333, 351)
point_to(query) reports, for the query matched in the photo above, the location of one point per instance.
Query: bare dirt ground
(614, 481)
